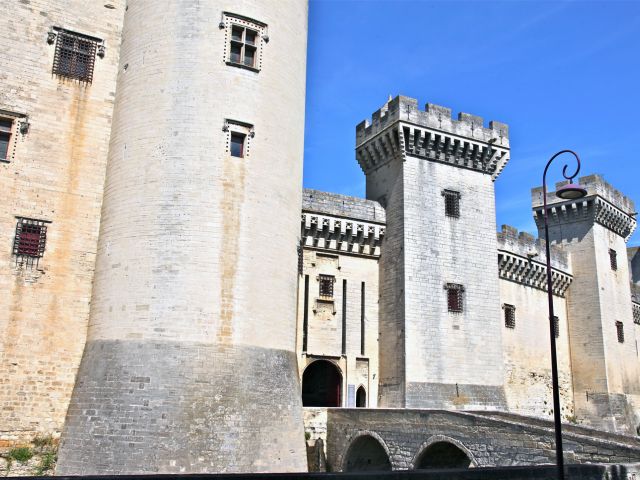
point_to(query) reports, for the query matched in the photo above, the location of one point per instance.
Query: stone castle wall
(54, 173)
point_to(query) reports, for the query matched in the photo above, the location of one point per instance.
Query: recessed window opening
(326, 286)
(509, 316)
(454, 297)
(451, 203)
(613, 259)
(237, 144)
(556, 327)
(29, 241)
(620, 331)
(5, 137)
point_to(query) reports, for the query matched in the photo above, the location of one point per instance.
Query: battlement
(433, 116)
(400, 129)
(522, 259)
(603, 204)
(334, 204)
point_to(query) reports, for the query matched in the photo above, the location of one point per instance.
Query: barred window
(454, 297)
(613, 259)
(509, 316)
(326, 286)
(451, 203)
(6, 128)
(636, 314)
(74, 56)
(556, 327)
(30, 239)
(620, 331)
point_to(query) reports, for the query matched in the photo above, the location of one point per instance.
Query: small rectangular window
(451, 203)
(620, 331)
(556, 327)
(454, 297)
(509, 316)
(326, 286)
(237, 144)
(74, 56)
(613, 259)
(5, 137)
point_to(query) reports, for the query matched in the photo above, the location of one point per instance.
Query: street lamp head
(571, 191)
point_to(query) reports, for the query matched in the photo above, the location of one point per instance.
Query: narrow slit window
(326, 286)
(620, 331)
(613, 259)
(451, 203)
(509, 316)
(5, 137)
(237, 144)
(454, 297)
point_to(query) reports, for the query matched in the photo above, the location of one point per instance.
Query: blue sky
(562, 74)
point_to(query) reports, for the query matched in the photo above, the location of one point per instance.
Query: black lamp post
(570, 191)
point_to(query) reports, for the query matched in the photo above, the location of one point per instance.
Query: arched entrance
(442, 455)
(321, 385)
(361, 397)
(366, 454)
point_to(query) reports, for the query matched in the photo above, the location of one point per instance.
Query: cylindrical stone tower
(189, 364)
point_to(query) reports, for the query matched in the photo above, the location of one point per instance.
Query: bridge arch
(322, 384)
(366, 452)
(440, 451)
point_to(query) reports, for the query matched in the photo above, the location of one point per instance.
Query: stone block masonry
(54, 172)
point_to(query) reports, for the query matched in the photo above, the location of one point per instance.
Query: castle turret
(440, 336)
(189, 364)
(604, 358)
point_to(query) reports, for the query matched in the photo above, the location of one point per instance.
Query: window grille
(74, 56)
(636, 314)
(6, 126)
(326, 286)
(29, 242)
(451, 203)
(454, 297)
(509, 316)
(613, 259)
(556, 327)
(620, 331)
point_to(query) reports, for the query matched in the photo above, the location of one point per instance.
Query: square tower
(604, 358)
(440, 337)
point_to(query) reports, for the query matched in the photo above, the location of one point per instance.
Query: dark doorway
(443, 455)
(321, 385)
(366, 454)
(361, 397)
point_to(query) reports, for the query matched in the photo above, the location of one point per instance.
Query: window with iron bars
(454, 297)
(451, 203)
(74, 56)
(326, 286)
(509, 315)
(620, 331)
(556, 327)
(613, 259)
(30, 240)
(636, 314)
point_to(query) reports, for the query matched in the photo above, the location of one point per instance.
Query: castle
(174, 300)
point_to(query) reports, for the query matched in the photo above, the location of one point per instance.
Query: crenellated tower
(604, 360)
(189, 364)
(440, 343)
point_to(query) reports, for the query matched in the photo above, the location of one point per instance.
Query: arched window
(443, 455)
(366, 454)
(361, 397)
(321, 385)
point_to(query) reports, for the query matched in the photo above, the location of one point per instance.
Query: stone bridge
(398, 439)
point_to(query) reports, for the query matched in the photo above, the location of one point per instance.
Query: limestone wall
(55, 173)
